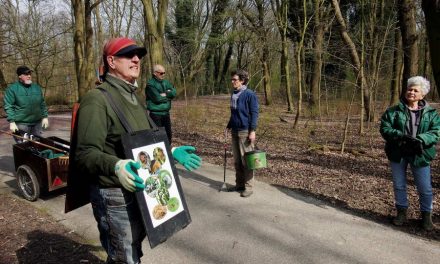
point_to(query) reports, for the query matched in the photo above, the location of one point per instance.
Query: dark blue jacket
(246, 115)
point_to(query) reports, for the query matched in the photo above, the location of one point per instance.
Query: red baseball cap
(121, 46)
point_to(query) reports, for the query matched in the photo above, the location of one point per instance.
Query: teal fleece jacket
(24, 104)
(156, 103)
(392, 128)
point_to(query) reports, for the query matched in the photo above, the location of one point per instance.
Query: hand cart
(37, 173)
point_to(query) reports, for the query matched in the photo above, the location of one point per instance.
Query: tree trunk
(298, 65)
(408, 28)
(318, 42)
(78, 39)
(155, 29)
(89, 50)
(353, 55)
(431, 9)
(280, 11)
(397, 66)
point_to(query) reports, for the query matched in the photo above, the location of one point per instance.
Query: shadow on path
(412, 226)
(43, 247)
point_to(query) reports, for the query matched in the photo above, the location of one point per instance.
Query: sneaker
(235, 189)
(246, 193)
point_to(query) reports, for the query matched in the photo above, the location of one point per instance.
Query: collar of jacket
(402, 106)
(156, 79)
(122, 84)
(126, 89)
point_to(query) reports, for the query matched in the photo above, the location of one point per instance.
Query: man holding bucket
(242, 123)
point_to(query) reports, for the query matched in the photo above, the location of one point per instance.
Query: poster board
(162, 203)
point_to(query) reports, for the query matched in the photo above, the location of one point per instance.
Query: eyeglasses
(234, 79)
(129, 55)
(161, 73)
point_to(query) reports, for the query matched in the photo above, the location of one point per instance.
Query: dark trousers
(163, 121)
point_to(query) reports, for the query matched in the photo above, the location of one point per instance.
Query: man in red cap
(25, 106)
(98, 155)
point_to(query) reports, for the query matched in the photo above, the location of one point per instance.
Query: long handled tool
(36, 142)
(224, 188)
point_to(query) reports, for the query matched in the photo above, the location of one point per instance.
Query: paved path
(272, 226)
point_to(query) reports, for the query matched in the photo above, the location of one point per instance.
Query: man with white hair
(411, 130)
(98, 159)
(24, 104)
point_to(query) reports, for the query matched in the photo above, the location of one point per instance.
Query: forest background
(324, 71)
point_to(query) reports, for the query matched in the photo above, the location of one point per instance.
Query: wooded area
(301, 54)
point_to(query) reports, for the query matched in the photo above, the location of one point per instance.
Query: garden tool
(224, 188)
(36, 142)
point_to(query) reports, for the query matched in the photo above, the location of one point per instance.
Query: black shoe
(246, 193)
(427, 221)
(400, 218)
(236, 189)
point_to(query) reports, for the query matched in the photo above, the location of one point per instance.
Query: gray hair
(158, 67)
(420, 81)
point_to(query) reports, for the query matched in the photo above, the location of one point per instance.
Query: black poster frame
(162, 232)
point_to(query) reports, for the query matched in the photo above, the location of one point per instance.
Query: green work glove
(126, 170)
(185, 156)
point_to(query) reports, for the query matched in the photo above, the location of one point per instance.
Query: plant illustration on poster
(161, 194)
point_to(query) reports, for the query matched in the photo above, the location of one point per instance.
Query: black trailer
(37, 173)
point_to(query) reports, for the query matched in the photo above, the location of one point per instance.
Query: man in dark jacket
(159, 93)
(24, 104)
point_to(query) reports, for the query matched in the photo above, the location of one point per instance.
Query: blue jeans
(119, 222)
(30, 129)
(422, 179)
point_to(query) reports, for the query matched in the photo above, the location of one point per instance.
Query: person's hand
(252, 136)
(418, 147)
(45, 123)
(126, 170)
(13, 127)
(185, 156)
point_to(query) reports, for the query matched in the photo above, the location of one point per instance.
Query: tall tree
(280, 10)
(431, 9)
(155, 28)
(320, 26)
(259, 27)
(410, 39)
(83, 44)
(361, 81)
(215, 44)
(396, 82)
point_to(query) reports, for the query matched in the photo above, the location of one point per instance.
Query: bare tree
(155, 28)
(361, 81)
(410, 39)
(259, 27)
(83, 41)
(280, 9)
(431, 9)
(397, 68)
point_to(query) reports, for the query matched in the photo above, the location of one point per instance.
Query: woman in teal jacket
(411, 129)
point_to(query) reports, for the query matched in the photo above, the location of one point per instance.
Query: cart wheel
(28, 183)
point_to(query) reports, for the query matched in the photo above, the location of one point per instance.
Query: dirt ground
(32, 236)
(306, 159)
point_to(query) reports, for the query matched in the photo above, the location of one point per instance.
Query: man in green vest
(159, 93)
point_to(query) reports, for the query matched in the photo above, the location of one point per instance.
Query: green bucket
(255, 159)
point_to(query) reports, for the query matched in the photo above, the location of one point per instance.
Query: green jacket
(24, 105)
(392, 128)
(157, 104)
(98, 141)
